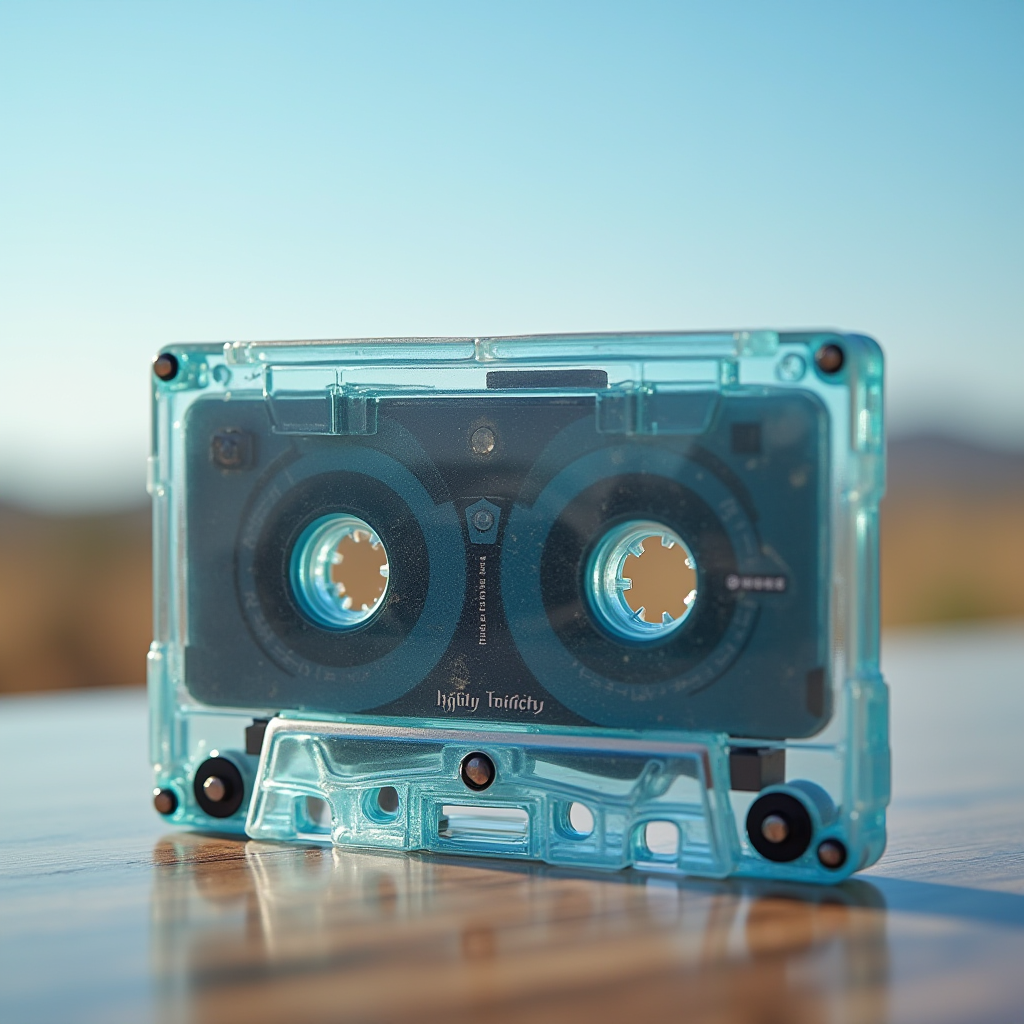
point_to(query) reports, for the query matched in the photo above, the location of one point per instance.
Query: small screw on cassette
(829, 358)
(215, 789)
(165, 801)
(779, 827)
(832, 854)
(165, 366)
(218, 787)
(477, 771)
(775, 829)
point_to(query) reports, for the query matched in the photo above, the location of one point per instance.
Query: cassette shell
(505, 487)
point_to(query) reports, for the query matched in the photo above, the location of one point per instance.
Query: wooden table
(105, 915)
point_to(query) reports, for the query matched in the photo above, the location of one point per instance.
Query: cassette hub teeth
(336, 588)
(656, 579)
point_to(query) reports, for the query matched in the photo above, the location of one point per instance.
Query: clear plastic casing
(616, 601)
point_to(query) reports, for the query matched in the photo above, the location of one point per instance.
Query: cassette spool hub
(612, 585)
(331, 591)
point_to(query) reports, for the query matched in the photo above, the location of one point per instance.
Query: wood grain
(107, 916)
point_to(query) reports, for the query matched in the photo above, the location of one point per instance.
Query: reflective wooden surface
(106, 915)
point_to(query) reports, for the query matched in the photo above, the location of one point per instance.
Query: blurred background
(268, 170)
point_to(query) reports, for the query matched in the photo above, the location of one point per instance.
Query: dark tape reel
(393, 651)
(611, 681)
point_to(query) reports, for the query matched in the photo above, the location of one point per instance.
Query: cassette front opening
(467, 824)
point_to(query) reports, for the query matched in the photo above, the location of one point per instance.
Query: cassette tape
(597, 600)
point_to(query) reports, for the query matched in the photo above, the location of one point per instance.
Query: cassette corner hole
(381, 805)
(576, 820)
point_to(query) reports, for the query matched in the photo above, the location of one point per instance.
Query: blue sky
(257, 170)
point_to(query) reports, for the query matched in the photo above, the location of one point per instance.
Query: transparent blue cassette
(597, 600)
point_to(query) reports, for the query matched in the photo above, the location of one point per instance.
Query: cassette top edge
(678, 344)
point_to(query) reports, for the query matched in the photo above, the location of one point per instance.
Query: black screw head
(829, 358)
(218, 787)
(832, 854)
(215, 788)
(775, 829)
(779, 827)
(165, 801)
(477, 771)
(165, 366)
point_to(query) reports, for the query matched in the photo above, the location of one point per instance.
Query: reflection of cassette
(277, 934)
(653, 554)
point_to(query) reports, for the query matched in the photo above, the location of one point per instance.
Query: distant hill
(75, 599)
(952, 532)
(929, 461)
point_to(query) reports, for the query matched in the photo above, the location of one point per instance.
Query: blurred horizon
(93, 629)
(969, 460)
